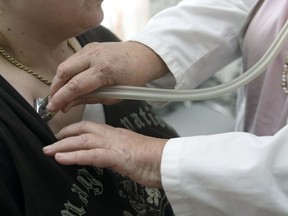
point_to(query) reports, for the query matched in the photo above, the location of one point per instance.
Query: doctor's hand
(103, 64)
(103, 146)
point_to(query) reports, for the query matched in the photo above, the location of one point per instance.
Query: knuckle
(84, 140)
(62, 72)
(92, 49)
(78, 157)
(106, 76)
(84, 125)
(91, 45)
(73, 86)
(106, 79)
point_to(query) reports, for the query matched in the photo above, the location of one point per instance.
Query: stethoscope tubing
(156, 94)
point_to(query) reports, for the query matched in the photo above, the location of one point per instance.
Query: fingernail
(46, 149)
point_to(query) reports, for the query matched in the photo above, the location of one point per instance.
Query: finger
(84, 127)
(81, 84)
(81, 142)
(101, 158)
(69, 91)
(68, 69)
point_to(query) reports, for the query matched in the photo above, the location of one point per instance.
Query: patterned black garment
(32, 184)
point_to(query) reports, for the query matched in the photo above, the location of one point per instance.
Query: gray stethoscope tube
(154, 94)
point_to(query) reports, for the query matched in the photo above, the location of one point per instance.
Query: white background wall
(126, 17)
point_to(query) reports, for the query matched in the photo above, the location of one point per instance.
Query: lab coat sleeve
(230, 174)
(196, 38)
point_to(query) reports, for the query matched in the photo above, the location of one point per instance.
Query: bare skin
(35, 33)
(126, 152)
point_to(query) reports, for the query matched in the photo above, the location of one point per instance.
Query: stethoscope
(155, 94)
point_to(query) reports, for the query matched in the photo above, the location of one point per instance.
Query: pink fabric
(267, 104)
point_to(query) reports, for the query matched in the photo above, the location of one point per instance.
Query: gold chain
(26, 69)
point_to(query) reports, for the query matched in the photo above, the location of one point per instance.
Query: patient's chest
(30, 88)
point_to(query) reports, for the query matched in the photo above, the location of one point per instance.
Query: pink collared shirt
(266, 103)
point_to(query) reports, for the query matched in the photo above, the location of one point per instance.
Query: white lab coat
(190, 36)
(231, 174)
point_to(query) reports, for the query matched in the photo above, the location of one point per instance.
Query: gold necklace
(25, 68)
(284, 76)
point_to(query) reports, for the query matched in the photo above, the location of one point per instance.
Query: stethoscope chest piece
(40, 107)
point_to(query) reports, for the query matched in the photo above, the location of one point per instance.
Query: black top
(33, 184)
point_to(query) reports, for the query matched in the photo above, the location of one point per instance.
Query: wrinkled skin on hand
(100, 145)
(103, 64)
